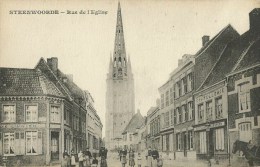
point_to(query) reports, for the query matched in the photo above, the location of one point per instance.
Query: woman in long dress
(123, 157)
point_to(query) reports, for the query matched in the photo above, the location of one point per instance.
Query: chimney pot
(205, 39)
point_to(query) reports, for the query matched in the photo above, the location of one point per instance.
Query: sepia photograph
(129, 83)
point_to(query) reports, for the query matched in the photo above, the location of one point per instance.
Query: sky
(157, 34)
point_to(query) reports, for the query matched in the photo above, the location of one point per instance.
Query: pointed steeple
(119, 54)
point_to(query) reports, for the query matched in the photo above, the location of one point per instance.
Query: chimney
(205, 39)
(254, 18)
(53, 64)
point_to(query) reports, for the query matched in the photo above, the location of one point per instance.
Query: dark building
(43, 113)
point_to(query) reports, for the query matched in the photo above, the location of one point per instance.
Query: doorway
(54, 145)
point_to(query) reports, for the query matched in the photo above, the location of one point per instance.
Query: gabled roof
(26, 82)
(136, 122)
(239, 54)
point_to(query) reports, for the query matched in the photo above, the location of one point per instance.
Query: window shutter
(17, 144)
(22, 143)
(1, 143)
(40, 142)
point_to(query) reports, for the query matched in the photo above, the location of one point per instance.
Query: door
(211, 144)
(185, 145)
(54, 145)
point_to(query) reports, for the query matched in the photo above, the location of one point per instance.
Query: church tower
(120, 98)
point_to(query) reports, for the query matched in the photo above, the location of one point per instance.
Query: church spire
(119, 48)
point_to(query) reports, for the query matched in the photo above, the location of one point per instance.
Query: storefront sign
(22, 126)
(209, 95)
(212, 125)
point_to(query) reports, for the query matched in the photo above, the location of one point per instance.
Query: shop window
(245, 131)
(200, 112)
(209, 111)
(244, 97)
(55, 114)
(9, 113)
(190, 140)
(219, 109)
(220, 139)
(31, 142)
(203, 142)
(178, 136)
(9, 144)
(31, 112)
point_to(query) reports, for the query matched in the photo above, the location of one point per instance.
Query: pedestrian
(66, 161)
(94, 162)
(139, 160)
(123, 157)
(155, 156)
(131, 158)
(87, 157)
(149, 157)
(81, 158)
(73, 159)
(160, 161)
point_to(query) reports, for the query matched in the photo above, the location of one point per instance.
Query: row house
(243, 86)
(130, 133)
(166, 92)
(153, 123)
(212, 63)
(183, 114)
(43, 113)
(94, 126)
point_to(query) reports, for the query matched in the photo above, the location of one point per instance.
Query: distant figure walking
(160, 161)
(139, 160)
(131, 158)
(149, 157)
(73, 159)
(81, 158)
(123, 157)
(65, 161)
(94, 162)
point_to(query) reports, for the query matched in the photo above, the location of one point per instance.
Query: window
(9, 113)
(185, 113)
(175, 116)
(166, 119)
(167, 99)
(190, 138)
(200, 112)
(180, 88)
(184, 82)
(209, 113)
(9, 143)
(245, 131)
(31, 142)
(178, 141)
(203, 142)
(130, 137)
(179, 116)
(220, 139)
(55, 114)
(172, 116)
(167, 142)
(189, 82)
(162, 100)
(219, 113)
(31, 113)
(171, 95)
(244, 97)
(190, 110)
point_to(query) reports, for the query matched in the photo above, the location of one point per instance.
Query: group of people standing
(152, 158)
(83, 158)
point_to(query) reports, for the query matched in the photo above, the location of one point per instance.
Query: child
(139, 160)
(160, 161)
(94, 162)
